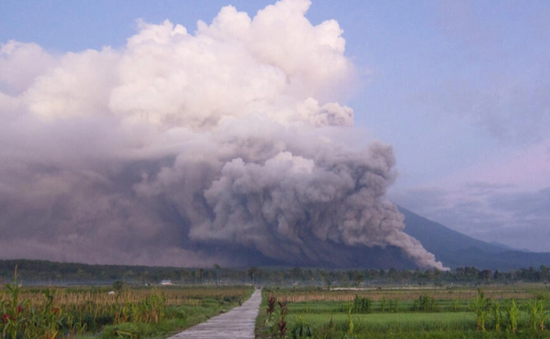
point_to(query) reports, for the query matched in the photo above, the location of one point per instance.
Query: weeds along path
(239, 323)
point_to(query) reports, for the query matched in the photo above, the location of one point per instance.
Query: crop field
(518, 291)
(508, 311)
(86, 312)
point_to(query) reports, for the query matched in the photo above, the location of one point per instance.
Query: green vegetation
(321, 304)
(31, 313)
(499, 312)
(424, 303)
(361, 305)
(52, 273)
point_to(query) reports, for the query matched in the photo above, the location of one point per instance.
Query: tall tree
(217, 267)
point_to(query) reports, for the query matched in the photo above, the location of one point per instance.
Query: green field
(522, 312)
(98, 312)
(395, 321)
(388, 311)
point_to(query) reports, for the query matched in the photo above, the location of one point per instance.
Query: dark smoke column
(313, 203)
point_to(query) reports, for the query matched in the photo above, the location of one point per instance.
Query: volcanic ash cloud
(188, 149)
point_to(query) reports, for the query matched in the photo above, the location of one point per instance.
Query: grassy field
(495, 311)
(511, 311)
(85, 312)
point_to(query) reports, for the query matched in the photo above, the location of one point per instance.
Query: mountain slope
(455, 249)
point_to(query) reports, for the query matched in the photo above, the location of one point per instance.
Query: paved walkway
(239, 323)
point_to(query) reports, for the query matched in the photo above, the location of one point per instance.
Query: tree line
(55, 273)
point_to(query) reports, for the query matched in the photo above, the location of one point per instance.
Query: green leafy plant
(497, 315)
(481, 306)
(350, 322)
(537, 315)
(424, 303)
(301, 329)
(361, 305)
(513, 314)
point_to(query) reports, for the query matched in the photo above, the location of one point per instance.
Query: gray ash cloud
(189, 149)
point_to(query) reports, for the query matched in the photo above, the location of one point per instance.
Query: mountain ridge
(455, 249)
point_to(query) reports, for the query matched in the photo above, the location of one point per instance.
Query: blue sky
(461, 89)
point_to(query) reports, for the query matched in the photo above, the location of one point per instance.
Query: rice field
(509, 311)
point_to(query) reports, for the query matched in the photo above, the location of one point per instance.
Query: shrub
(361, 305)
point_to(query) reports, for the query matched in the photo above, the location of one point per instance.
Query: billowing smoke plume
(189, 149)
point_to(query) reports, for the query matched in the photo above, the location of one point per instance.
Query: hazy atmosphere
(255, 132)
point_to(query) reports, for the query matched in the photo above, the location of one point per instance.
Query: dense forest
(39, 272)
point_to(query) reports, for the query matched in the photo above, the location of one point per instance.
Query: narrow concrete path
(239, 323)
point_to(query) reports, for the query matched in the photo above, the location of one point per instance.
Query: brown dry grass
(493, 292)
(86, 298)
